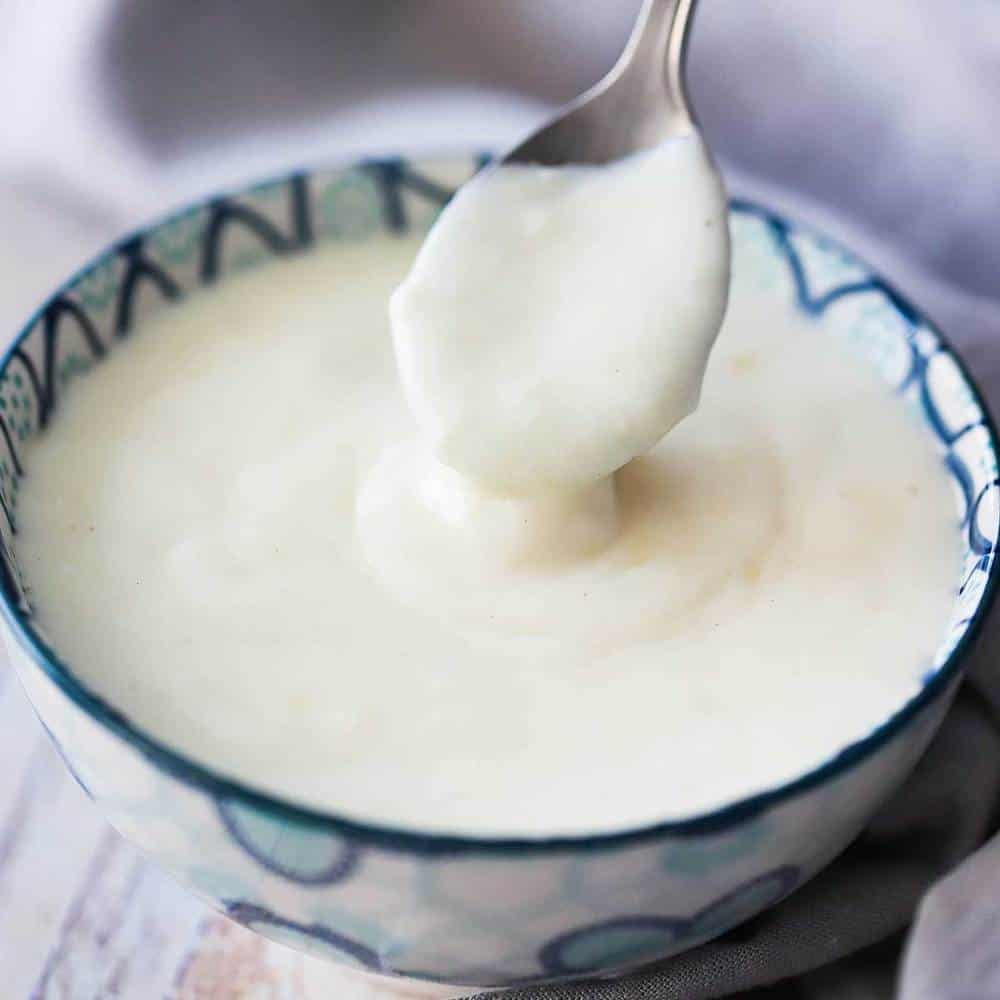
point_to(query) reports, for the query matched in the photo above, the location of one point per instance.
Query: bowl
(455, 909)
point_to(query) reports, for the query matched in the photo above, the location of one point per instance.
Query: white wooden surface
(83, 916)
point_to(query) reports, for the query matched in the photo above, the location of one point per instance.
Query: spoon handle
(639, 104)
(659, 44)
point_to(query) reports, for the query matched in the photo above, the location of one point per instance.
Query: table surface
(83, 916)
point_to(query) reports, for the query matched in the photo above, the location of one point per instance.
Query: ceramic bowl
(455, 909)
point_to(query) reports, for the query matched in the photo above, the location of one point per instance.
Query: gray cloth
(876, 120)
(944, 811)
(958, 921)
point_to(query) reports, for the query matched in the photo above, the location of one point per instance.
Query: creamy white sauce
(557, 321)
(209, 542)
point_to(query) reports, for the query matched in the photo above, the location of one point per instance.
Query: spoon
(638, 105)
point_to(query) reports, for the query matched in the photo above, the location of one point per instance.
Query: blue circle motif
(634, 940)
(614, 943)
(742, 903)
(295, 852)
(311, 938)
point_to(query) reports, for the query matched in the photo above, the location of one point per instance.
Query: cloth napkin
(877, 121)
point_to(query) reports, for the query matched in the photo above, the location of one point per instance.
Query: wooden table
(83, 916)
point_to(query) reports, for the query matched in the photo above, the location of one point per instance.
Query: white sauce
(557, 321)
(206, 534)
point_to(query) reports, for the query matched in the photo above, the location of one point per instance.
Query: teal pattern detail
(615, 944)
(315, 938)
(741, 904)
(700, 856)
(297, 853)
(97, 288)
(349, 206)
(178, 240)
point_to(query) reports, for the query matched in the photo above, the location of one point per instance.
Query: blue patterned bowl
(447, 908)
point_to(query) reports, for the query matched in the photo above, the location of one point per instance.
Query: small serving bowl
(454, 909)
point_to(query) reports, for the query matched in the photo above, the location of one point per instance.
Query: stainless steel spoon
(640, 103)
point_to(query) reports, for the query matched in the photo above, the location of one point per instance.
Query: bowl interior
(106, 302)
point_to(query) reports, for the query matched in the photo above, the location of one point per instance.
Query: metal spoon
(639, 104)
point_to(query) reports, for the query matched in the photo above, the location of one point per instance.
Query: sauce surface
(216, 540)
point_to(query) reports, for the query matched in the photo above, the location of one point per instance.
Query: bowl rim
(399, 838)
